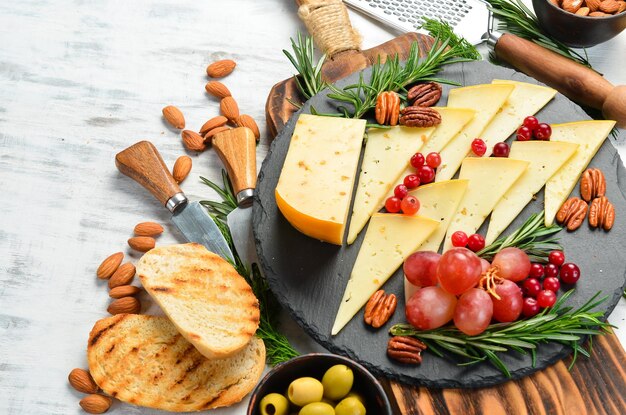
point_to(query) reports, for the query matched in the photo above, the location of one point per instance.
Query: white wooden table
(81, 80)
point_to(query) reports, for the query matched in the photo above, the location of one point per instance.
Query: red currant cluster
(474, 242)
(531, 127)
(499, 149)
(424, 173)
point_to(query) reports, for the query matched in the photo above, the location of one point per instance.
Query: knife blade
(237, 150)
(143, 163)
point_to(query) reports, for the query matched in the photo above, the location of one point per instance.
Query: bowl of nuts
(581, 23)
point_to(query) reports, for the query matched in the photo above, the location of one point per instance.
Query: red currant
(557, 258)
(479, 147)
(570, 273)
(531, 287)
(426, 174)
(392, 204)
(410, 205)
(459, 239)
(536, 270)
(501, 150)
(551, 270)
(400, 191)
(552, 284)
(433, 159)
(530, 122)
(524, 133)
(530, 307)
(546, 298)
(543, 131)
(411, 181)
(417, 160)
(475, 242)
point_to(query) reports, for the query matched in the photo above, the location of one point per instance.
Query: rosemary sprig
(533, 237)
(557, 324)
(517, 19)
(277, 346)
(309, 78)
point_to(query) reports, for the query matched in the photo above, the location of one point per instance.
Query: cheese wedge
(452, 121)
(489, 179)
(486, 100)
(387, 153)
(589, 135)
(322, 160)
(545, 158)
(438, 201)
(526, 99)
(389, 239)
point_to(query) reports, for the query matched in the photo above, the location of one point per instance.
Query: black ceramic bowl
(314, 365)
(577, 31)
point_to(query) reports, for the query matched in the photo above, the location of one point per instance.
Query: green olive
(337, 382)
(305, 390)
(317, 408)
(356, 395)
(274, 404)
(350, 406)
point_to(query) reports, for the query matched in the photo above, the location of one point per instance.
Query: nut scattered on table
(174, 117)
(601, 213)
(95, 404)
(572, 213)
(181, 168)
(424, 95)
(387, 108)
(109, 265)
(592, 184)
(217, 89)
(123, 276)
(244, 120)
(193, 141)
(229, 108)
(214, 122)
(81, 380)
(148, 229)
(124, 291)
(125, 305)
(419, 117)
(142, 243)
(220, 69)
(405, 349)
(380, 308)
(208, 137)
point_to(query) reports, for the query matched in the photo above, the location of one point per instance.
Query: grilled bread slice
(143, 360)
(210, 304)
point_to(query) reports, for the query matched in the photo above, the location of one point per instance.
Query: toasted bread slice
(210, 304)
(143, 360)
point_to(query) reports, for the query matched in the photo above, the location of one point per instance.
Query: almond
(181, 169)
(213, 123)
(141, 243)
(82, 381)
(123, 276)
(124, 291)
(597, 14)
(609, 6)
(622, 6)
(245, 120)
(593, 5)
(193, 141)
(148, 229)
(571, 6)
(217, 89)
(221, 68)
(208, 137)
(229, 108)
(109, 265)
(174, 117)
(95, 404)
(583, 11)
(125, 305)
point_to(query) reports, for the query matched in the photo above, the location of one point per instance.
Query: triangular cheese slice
(489, 179)
(486, 100)
(386, 155)
(526, 99)
(545, 158)
(389, 239)
(452, 121)
(589, 135)
(438, 201)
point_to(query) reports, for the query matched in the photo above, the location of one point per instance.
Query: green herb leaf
(309, 78)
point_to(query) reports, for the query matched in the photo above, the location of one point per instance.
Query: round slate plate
(308, 277)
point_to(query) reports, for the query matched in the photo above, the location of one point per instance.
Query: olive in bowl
(319, 384)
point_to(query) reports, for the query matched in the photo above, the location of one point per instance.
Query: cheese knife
(143, 163)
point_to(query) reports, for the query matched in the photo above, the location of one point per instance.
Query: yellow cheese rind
(322, 160)
(386, 155)
(389, 239)
(589, 135)
(545, 158)
(486, 100)
(489, 179)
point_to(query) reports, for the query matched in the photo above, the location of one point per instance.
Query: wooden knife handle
(237, 150)
(143, 163)
(575, 81)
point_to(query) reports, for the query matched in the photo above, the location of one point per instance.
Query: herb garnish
(309, 78)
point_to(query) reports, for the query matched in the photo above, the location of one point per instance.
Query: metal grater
(468, 18)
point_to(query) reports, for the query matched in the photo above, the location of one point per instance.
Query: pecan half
(424, 95)
(572, 213)
(405, 349)
(419, 117)
(592, 184)
(601, 213)
(387, 108)
(379, 308)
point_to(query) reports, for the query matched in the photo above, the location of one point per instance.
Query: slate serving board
(308, 277)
